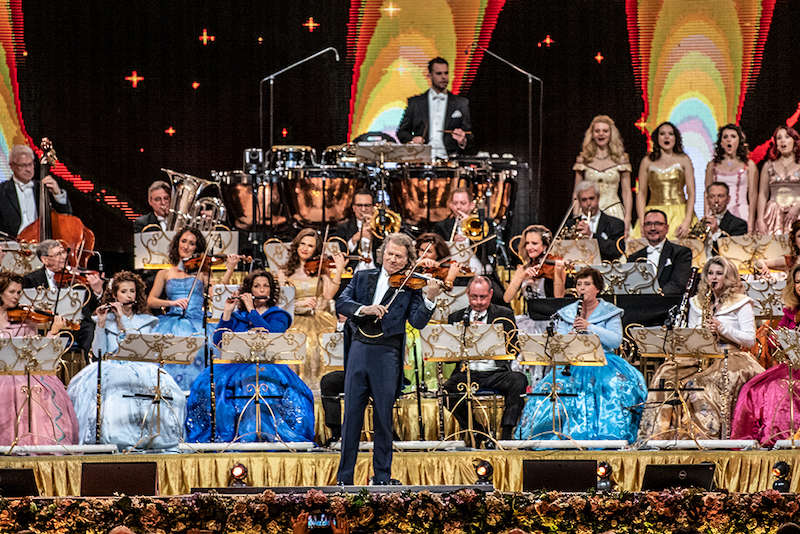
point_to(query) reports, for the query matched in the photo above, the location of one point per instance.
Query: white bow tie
(25, 187)
(652, 249)
(439, 97)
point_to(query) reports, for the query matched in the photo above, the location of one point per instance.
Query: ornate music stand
(26, 356)
(159, 349)
(744, 250)
(151, 249)
(553, 350)
(70, 300)
(585, 251)
(636, 278)
(660, 342)
(220, 293)
(766, 295)
(261, 347)
(19, 258)
(453, 343)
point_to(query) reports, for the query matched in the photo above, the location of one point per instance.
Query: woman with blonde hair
(533, 280)
(603, 160)
(708, 388)
(763, 410)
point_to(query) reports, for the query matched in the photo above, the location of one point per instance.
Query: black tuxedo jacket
(345, 231)
(731, 225)
(144, 220)
(38, 278)
(495, 312)
(674, 267)
(609, 230)
(416, 117)
(10, 213)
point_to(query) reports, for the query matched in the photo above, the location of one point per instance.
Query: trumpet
(472, 228)
(384, 221)
(700, 230)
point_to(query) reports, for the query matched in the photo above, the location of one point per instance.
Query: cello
(50, 224)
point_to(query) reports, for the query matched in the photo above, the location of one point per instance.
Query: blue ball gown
(290, 400)
(127, 389)
(176, 322)
(608, 401)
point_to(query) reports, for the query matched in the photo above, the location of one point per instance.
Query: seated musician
(763, 410)
(127, 386)
(488, 374)
(462, 206)
(783, 263)
(437, 116)
(673, 262)
(291, 418)
(54, 258)
(720, 307)
(533, 277)
(594, 224)
(356, 231)
(158, 197)
(721, 222)
(52, 415)
(596, 402)
(20, 195)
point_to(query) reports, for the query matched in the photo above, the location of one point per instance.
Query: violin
(417, 280)
(25, 314)
(193, 264)
(311, 266)
(21, 251)
(71, 276)
(547, 268)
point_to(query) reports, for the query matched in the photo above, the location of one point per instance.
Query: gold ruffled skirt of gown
(665, 415)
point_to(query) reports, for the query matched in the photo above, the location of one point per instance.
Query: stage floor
(737, 471)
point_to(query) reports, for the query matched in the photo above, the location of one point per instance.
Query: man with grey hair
(592, 223)
(19, 197)
(158, 197)
(373, 365)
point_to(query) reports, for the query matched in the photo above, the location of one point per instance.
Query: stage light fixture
(781, 471)
(238, 476)
(484, 471)
(604, 476)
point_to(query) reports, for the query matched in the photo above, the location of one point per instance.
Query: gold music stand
(27, 356)
(260, 347)
(673, 344)
(789, 353)
(158, 349)
(455, 343)
(570, 349)
(744, 250)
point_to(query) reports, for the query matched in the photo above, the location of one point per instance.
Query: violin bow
(472, 246)
(199, 270)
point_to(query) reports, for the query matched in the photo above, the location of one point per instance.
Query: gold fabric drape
(737, 471)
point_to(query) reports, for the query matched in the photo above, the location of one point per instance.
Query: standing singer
(373, 365)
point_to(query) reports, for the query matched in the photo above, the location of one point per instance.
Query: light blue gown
(127, 389)
(608, 401)
(176, 322)
(291, 403)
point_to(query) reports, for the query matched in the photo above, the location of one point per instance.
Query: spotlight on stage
(604, 476)
(781, 472)
(238, 476)
(484, 471)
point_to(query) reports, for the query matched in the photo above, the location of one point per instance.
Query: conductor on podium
(377, 315)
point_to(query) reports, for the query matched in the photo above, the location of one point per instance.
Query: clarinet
(441, 392)
(99, 399)
(682, 318)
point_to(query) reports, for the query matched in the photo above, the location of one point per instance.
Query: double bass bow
(69, 229)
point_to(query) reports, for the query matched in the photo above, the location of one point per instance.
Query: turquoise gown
(608, 398)
(128, 417)
(176, 322)
(290, 416)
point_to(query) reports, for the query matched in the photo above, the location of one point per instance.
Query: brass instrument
(186, 207)
(471, 227)
(384, 221)
(707, 309)
(700, 230)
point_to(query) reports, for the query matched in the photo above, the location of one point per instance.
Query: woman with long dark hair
(666, 174)
(732, 166)
(779, 189)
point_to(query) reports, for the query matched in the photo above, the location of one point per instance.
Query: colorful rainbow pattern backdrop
(12, 46)
(694, 62)
(391, 42)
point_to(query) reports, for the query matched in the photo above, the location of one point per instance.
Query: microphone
(551, 325)
(99, 261)
(335, 53)
(466, 317)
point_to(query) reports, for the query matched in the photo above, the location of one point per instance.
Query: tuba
(185, 206)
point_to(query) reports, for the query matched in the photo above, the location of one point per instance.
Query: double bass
(50, 224)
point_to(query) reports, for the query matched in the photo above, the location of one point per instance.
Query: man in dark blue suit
(374, 360)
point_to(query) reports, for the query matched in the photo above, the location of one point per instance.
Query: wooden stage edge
(736, 471)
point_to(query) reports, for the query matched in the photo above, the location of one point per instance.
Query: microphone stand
(531, 78)
(271, 79)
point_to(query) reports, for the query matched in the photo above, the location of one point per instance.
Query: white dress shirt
(51, 279)
(654, 253)
(366, 244)
(437, 107)
(27, 202)
(476, 317)
(593, 221)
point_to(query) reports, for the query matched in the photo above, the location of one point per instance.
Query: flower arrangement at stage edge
(463, 512)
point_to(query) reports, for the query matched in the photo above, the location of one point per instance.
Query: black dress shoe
(395, 482)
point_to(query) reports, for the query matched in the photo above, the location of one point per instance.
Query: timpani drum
(313, 191)
(241, 199)
(291, 157)
(500, 184)
(341, 156)
(420, 193)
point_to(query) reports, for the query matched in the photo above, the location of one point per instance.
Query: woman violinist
(184, 302)
(314, 291)
(52, 415)
(536, 277)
